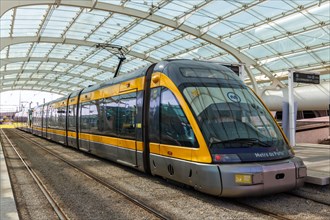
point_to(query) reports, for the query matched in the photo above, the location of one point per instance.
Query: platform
(8, 210)
(317, 159)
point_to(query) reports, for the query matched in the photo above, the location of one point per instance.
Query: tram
(193, 122)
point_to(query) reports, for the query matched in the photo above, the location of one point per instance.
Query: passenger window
(175, 128)
(110, 107)
(84, 117)
(127, 115)
(72, 118)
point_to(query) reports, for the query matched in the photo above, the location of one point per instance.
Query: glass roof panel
(63, 67)
(11, 76)
(111, 62)
(21, 82)
(3, 53)
(278, 65)
(78, 69)
(53, 32)
(61, 50)
(283, 45)
(324, 54)
(26, 75)
(258, 51)
(171, 10)
(41, 49)
(137, 4)
(239, 40)
(64, 78)
(5, 23)
(39, 75)
(302, 59)
(104, 76)
(47, 65)
(272, 8)
(43, 83)
(219, 8)
(242, 19)
(314, 37)
(19, 50)
(50, 76)
(80, 52)
(76, 80)
(321, 12)
(32, 65)
(165, 35)
(92, 72)
(220, 29)
(14, 66)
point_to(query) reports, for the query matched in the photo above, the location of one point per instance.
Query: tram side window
(50, 117)
(72, 118)
(174, 127)
(84, 117)
(44, 117)
(127, 115)
(95, 119)
(110, 106)
(61, 117)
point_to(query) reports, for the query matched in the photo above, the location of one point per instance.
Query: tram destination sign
(310, 78)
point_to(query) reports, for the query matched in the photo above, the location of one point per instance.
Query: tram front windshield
(234, 122)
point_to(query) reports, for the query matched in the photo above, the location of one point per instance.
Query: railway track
(111, 187)
(57, 209)
(308, 198)
(235, 202)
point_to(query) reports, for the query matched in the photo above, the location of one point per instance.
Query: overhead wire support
(116, 50)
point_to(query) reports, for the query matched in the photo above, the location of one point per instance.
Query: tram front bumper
(255, 179)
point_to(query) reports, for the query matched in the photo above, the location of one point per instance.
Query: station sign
(310, 78)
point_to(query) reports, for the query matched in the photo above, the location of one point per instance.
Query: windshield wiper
(248, 141)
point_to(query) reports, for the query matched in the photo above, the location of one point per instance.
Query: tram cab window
(174, 127)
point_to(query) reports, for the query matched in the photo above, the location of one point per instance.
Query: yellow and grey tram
(192, 122)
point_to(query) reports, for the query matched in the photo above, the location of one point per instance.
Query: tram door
(126, 128)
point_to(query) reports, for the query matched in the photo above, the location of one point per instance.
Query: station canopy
(50, 45)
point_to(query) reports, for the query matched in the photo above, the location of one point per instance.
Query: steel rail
(102, 182)
(38, 181)
(311, 199)
(262, 211)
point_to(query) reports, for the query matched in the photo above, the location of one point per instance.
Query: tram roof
(50, 45)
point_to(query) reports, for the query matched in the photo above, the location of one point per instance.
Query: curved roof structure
(50, 45)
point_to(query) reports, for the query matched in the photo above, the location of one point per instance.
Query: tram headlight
(244, 179)
(248, 178)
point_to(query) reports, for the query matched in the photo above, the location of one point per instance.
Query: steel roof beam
(9, 72)
(37, 79)
(7, 41)
(55, 60)
(51, 89)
